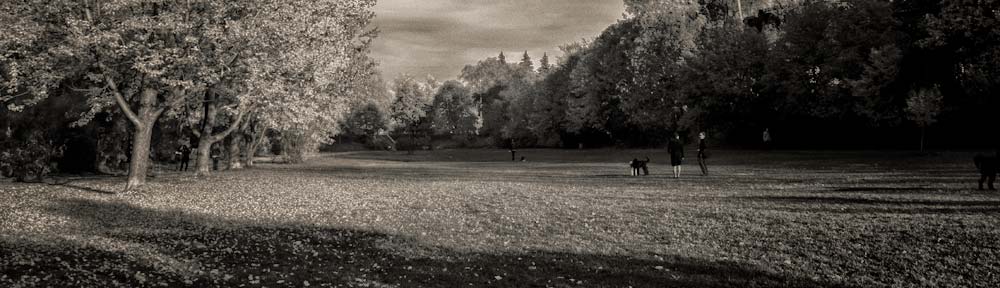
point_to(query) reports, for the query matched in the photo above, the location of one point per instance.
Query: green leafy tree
(487, 79)
(526, 66)
(726, 81)
(454, 110)
(150, 57)
(410, 107)
(366, 121)
(543, 64)
(923, 107)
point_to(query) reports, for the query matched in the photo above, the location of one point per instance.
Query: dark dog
(987, 169)
(637, 164)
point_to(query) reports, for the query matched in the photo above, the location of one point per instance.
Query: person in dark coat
(184, 152)
(676, 150)
(987, 166)
(766, 138)
(702, 154)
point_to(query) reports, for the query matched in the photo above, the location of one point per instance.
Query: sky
(439, 37)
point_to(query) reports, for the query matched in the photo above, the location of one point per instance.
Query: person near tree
(184, 154)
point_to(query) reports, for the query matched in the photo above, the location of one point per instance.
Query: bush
(31, 159)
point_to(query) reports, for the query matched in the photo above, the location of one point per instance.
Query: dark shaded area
(69, 184)
(869, 205)
(294, 253)
(875, 189)
(846, 200)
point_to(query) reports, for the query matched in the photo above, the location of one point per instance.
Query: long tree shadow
(69, 184)
(838, 204)
(869, 201)
(171, 248)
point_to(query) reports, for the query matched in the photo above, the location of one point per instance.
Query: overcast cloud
(439, 37)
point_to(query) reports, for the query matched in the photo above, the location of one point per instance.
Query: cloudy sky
(439, 37)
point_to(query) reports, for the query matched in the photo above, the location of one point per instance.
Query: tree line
(848, 73)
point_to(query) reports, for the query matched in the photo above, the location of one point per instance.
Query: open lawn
(472, 218)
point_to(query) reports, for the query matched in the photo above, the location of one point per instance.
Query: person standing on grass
(184, 152)
(766, 138)
(676, 150)
(702, 154)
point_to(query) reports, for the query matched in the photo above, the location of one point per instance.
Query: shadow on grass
(182, 249)
(69, 184)
(867, 205)
(878, 189)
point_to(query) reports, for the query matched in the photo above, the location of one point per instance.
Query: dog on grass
(987, 166)
(637, 164)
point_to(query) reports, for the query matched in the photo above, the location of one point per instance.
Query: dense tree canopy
(290, 64)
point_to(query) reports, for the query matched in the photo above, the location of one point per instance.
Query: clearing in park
(472, 218)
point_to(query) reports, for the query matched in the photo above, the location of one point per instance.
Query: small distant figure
(637, 165)
(702, 154)
(184, 154)
(513, 152)
(676, 150)
(523, 159)
(987, 166)
(766, 138)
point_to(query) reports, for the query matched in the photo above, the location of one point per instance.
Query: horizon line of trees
(854, 73)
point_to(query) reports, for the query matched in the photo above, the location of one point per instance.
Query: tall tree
(454, 111)
(543, 64)
(410, 107)
(526, 65)
(922, 108)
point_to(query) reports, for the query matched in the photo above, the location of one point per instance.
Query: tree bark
(207, 138)
(256, 137)
(204, 162)
(143, 121)
(140, 157)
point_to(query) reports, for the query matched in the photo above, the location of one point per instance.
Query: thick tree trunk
(203, 165)
(140, 156)
(144, 120)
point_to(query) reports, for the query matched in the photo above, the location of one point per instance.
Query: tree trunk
(145, 119)
(256, 137)
(139, 163)
(202, 166)
(207, 138)
(234, 151)
(923, 132)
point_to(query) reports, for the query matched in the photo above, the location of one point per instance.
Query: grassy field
(472, 218)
